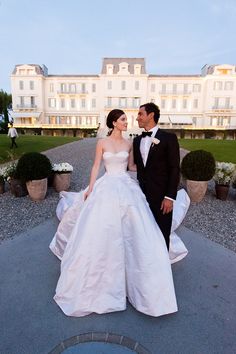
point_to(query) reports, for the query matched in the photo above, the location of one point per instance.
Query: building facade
(193, 106)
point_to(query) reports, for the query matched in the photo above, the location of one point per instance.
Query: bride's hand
(86, 194)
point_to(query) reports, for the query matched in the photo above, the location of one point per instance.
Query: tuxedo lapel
(151, 150)
(139, 157)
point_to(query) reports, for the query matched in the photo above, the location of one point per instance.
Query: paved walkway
(31, 322)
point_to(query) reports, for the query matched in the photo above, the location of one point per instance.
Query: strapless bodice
(116, 163)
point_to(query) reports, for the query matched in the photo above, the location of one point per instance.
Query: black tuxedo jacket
(160, 176)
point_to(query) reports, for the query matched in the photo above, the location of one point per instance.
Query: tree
(5, 104)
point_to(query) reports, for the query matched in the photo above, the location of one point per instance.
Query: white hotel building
(193, 106)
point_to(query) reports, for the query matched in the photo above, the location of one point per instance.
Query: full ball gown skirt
(111, 248)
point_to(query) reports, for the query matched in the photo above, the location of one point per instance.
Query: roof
(130, 61)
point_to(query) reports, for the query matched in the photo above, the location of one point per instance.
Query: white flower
(62, 167)
(155, 141)
(224, 172)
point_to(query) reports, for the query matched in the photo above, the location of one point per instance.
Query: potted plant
(233, 181)
(2, 184)
(197, 167)
(17, 186)
(34, 168)
(62, 175)
(223, 176)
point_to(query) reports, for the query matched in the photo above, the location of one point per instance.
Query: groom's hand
(166, 206)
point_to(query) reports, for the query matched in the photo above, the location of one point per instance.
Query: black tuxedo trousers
(159, 178)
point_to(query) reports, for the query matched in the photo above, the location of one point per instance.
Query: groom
(156, 154)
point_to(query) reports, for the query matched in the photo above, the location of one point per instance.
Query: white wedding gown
(111, 247)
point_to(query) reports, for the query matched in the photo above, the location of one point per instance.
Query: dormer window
(137, 69)
(123, 68)
(110, 69)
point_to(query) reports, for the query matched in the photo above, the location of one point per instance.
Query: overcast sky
(72, 37)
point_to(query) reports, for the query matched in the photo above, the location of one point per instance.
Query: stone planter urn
(37, 189)
(2, 187)
(222, 191)
(18, 188)
(196, 190)
(61, 181)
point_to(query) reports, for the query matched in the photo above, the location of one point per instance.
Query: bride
(108, 241)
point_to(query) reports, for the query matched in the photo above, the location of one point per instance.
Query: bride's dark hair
(112, 117)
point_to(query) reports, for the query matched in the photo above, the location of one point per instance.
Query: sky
(72, 37)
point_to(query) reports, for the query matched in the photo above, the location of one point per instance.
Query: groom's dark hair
(152, 107)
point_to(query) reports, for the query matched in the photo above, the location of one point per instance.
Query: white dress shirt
(145, 145)
(12, 133)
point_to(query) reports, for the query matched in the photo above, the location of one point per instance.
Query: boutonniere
(155, 141)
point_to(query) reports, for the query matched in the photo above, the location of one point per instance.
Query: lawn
(222, 150)
(28, 143)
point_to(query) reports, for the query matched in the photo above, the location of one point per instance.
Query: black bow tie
(144, 134)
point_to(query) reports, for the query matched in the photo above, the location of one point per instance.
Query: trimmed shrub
(198, 165)
(33, 166)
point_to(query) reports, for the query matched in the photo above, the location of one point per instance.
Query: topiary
(198, 165)
(33, 166)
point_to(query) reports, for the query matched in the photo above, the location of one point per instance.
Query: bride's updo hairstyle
(112, 117)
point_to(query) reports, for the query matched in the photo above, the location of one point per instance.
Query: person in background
(12, 133)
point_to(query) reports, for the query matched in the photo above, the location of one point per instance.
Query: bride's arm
(95, 168)
(131, 165)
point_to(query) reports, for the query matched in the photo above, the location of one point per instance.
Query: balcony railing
(174, 93)
(72, 92)
(26, 106)
(222, 107)
(56, 126)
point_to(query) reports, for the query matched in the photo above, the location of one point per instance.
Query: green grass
(28, 143)
(222, 150)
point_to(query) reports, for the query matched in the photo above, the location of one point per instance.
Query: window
(51, 88)
(83, 103)
(32, 101)
(214, 121)
(185, 103)
(123, 102)
(163, 104)
(137, 69)
(163, 88)
(174, 88)
(123, 85)
(136, 85)
(72, 103)
(216, 102)
(21, 85)
(72, 88)
(195, 103)
(62, 103)
(196, 88)
(52, 102)
(229, 85)
(218, 85)
(93, 102)
(185, 88)
(109, 85)
(63, 87)
(174, 103)
(83, 87)
(109, 101)
(227, 102)
(136, 102)
(225, 121)
(153, 87)
(93, 87)
(22, 100)
(31, 85)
